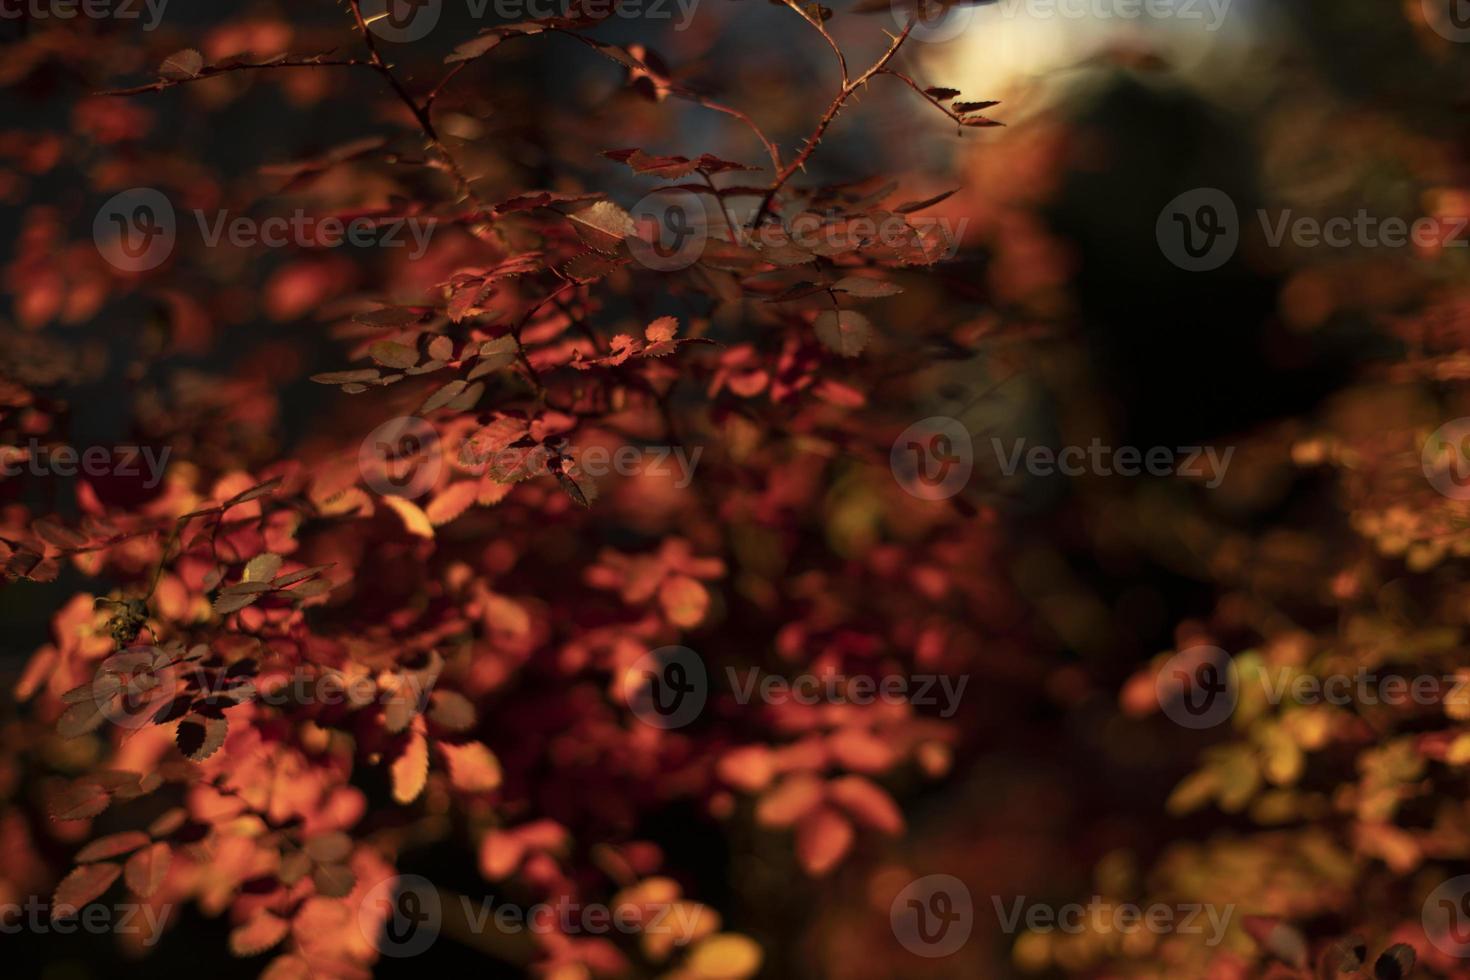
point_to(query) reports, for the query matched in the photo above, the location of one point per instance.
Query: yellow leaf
(411, 769)
(413, 516)
(684, 601)
(262, 568)
(727, 956)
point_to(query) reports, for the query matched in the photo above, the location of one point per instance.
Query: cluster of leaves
(477, 645)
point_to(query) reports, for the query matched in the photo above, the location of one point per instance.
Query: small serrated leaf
(112, 846)
(846, 332)
(82, 886)
(147, 869)
(263, 931)
(186, 63)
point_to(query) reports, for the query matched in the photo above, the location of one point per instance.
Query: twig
(832, 110)
(320, 61)
(822, 29)
(927, 97)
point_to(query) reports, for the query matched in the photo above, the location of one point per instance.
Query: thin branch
(822, 29)
(420, 113)
(927, 97)
(720, 202)
(320, 61)
(832, 110)
(770, 147)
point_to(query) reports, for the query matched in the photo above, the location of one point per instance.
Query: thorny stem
(210, 72)
(816, 22)
(810, 146)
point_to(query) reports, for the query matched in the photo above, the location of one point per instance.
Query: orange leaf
(822, 838)
(684, 601)
(258, 935)
(81, 886)
(147, 868)
(472, 767)
(749, 767)
(112, 846)
(789, 802)
(455, 500)
(500, 854)
(867, 803)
